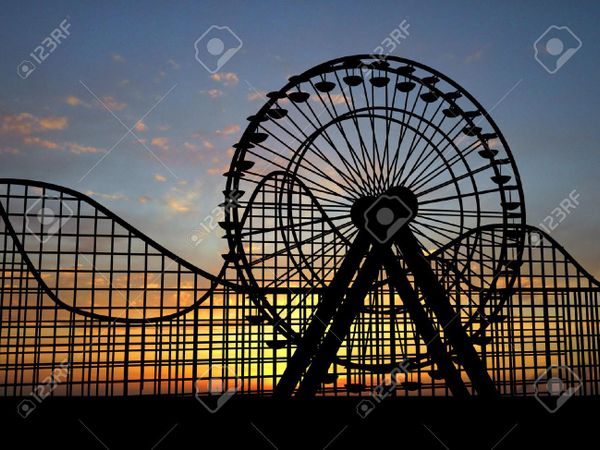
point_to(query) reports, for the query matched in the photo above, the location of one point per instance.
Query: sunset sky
(138, 60)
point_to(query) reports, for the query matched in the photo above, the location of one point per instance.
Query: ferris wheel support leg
(340, 326)
(330, 301)
(423, 325)
(437, 300)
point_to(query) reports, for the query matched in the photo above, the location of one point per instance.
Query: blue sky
(132, 54)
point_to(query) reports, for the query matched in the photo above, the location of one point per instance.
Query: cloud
(178, 205)
(27, 124)
(72, 147)
(116, 57)
(218, 170)
(257, 95)
(213, 93)
(227, 78)
(173, 64)
(78, 149)
(161, 142)
(158, 177)
(113, 104)
(182, 201)
(141, 126)
(9, 151)
(34, 140)
(228, 130)
(337, 99)
(74, 101)
(54, 123)
(475, 56)
(117, 196)
(143, 199)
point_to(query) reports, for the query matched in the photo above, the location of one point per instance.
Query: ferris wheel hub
(385, 215)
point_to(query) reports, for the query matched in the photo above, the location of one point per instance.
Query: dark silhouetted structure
(375, 220)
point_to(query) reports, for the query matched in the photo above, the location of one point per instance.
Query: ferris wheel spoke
(286, 250)
(387, 131)
(428, 143)
(436, 150)
(292, 226)
(444, 222)
(350, 182)
(422, 133)
(315, 170)
(295, 270)
(444, 232)
(460, 155)
(457, 178)
(361, 161)
(352, 171)
(463, 213)
(339, 128)
(463, 195)
(422, 178)
(374, 146)
(313, 257)
(415, 133)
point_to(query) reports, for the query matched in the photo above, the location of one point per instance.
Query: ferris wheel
(375, 189)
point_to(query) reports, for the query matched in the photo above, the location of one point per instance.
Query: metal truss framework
(90, 306)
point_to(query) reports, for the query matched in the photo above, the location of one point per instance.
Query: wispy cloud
(254, 96)
(161, 142)
(27, 124)
(141, 126)
(173, 64)
(475, 56)
(117, 196)
(9, 151)
(228, 130)
(78, 149)
(213, 93)
(158, 177)
(45, 143)
(117, 57)
(113, 103)
(227, 78)
(72, 100)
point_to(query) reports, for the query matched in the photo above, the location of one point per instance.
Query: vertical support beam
(340, 326)
(424, 327)
(437, 300)
(331, 299)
